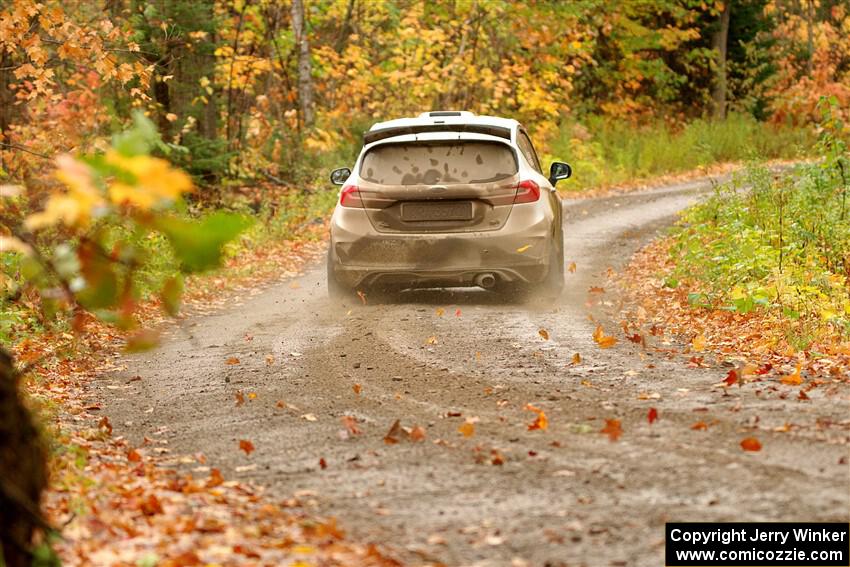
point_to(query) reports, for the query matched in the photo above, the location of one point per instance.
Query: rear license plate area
(439, 211)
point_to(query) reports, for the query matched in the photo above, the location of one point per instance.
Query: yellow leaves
(698, 343)
(155, 181)
(145, 182)
(77, 205)
(522, 249)
(467, 428)
(603, 340)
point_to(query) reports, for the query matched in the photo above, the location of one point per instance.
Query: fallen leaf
(350, 423)
(751, 444)
(576, 358)
(357, 388)
(281, 404)
(322, 463)
(652, 415)
(432, 340)
(269, 359)
(232, 360)
(698, 343)
(596, 289)
(215, 478)
(362, 296)
(731, 378)
(793, 379)
(252, 395)
(603, 340)
(467, 428)
(496, 457)
(613, 429)
(457, 312)
(417, 433)
(391, 438)
(803, 396)
(151, 505)
(522, 249)
(105, 425)
(309, 417)
(544, 333)
(133, 456)
(541, 422)
(700, 426)
(440, 311)
(571, 268)
(240, 398)
(246, 446)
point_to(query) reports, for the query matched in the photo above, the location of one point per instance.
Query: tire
(553, 285)
(335, 289)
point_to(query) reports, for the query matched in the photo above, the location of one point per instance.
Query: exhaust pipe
(487, 281)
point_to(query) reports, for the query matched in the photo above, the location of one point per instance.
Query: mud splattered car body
(443, 200)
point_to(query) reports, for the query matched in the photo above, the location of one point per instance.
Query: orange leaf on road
(467, 428)
(731, 378)
(751, 444)
(357, 388)
(544, 333)
(232, 360)
(246, 446)
(350, 423)
(613, 429)
(541, 422)
(793, 379)
(571, 268)
(603, 340)
(391, 438)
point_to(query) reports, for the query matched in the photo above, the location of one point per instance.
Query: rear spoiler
(384, 133)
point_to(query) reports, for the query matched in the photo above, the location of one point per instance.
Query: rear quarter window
(441, 163)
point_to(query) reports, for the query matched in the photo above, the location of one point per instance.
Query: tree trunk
(810, 40)
(305, 79)
(721, 38)
(23, 471)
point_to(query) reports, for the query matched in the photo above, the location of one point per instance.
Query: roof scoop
(447, 113)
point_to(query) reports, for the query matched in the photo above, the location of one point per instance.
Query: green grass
(604, 152)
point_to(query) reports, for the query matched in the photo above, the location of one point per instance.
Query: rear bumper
(519, 251)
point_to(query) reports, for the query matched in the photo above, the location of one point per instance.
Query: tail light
(350, 197)
(527, 192)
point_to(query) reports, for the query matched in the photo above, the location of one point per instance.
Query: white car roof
(447, 117)
(447, 121)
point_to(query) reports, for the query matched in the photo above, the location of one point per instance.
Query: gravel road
(566, 495)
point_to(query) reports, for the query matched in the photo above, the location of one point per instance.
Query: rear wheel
(553, 285)
(335, 289)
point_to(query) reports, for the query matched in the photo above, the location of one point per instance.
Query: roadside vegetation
(759, 272)
(155, 152)
(776, 241)
(605, 152)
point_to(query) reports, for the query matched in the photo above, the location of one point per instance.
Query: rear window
(443, 163)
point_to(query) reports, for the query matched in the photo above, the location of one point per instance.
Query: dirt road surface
(566, 495)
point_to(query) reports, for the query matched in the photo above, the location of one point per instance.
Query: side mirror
(559, 170)
(338, 176)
